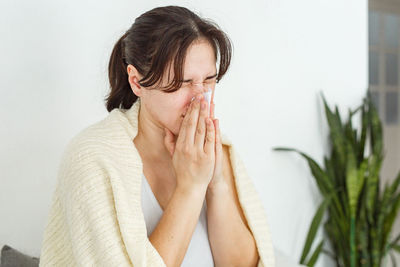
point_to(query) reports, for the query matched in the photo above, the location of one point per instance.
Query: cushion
(11, 257)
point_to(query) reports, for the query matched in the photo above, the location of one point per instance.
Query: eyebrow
(209, 77)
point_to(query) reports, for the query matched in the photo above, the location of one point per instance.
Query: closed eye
(208, 78)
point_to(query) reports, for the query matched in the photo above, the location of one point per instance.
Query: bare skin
(160, 110)
(181, 202)
(159, 174)
(179, 191)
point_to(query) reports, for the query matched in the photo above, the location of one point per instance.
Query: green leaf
(393, 260)
(390, 245)
(395, 240)
(351, 134)
(389, 204)
(372, 187)
(359, 217)
(389, 219)
(395, 185)
(353, 251)
(320, 176)
(354, 179)
(336, 131)
(362, 228)
(376, 128)
(323, 181)
(315, 255)
(364, 126)
(314, 228)
(396, 248)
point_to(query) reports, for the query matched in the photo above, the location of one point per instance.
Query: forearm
(172, 235)
(231, 241)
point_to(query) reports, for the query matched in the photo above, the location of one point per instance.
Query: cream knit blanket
(95, 217)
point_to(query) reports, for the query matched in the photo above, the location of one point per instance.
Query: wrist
(192, 190)
(219, 187)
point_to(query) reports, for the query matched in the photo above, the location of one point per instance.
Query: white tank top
(199, 250)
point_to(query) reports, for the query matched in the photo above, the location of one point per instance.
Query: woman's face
(166, 109)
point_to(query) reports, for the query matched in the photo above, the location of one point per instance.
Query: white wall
(54, 78)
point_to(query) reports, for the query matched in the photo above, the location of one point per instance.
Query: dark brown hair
(157, 38)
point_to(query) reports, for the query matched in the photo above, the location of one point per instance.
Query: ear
(133, 78)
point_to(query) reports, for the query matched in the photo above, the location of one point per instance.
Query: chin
(175, 128)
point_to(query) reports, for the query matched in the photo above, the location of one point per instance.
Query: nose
(199, 88)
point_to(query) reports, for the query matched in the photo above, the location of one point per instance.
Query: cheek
(171, 115)
(171, 108)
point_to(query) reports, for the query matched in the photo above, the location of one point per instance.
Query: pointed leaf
(315, 255)
(314, 228)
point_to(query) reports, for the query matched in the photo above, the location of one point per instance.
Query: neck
(150, 141)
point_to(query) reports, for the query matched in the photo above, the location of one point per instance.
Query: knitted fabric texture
(95, 217)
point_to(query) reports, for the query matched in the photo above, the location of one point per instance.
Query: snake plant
(359, 216)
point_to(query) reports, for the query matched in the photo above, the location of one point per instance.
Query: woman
(155, 183)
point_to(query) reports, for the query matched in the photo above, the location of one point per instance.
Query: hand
(193, 154)
(217, 175)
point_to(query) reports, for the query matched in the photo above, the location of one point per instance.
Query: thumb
(169, 141)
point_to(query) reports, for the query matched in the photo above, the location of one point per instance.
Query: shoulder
(83, 145)
(88, 153)
(105, 134)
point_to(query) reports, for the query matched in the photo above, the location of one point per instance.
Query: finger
(212, 95)
(212, 104)
(169, 141)
(218, 141)
(191, 125)
(184, 125)
(209, 146)
(218, 149)
(201, 126)
(212, 110)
